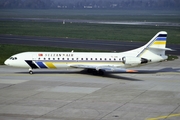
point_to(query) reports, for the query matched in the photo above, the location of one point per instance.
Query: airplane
(95, 62)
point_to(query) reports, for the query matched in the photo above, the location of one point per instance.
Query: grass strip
(95, 14)
(88, 31)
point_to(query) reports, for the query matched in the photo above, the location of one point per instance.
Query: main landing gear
(96, 72)
(30, 71)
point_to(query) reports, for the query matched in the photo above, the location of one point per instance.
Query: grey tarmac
(151, 94)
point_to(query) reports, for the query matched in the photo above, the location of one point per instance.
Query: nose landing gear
(30, 71)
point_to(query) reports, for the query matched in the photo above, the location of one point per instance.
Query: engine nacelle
(133, 61)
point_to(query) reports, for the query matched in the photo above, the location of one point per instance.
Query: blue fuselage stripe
(41, 65)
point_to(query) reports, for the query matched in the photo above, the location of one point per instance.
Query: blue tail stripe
(41, 65)
(161, 38)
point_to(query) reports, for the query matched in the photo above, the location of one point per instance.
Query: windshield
(13, 58)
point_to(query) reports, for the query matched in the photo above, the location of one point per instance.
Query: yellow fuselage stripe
(50, 65)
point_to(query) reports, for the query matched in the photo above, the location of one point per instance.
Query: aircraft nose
(6, 62)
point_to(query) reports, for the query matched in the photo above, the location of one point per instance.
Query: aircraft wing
(103, 68)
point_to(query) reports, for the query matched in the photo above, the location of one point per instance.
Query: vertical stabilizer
(155, 48)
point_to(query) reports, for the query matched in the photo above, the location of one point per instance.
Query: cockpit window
(13, 58)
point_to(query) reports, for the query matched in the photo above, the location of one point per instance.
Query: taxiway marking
(164, 117)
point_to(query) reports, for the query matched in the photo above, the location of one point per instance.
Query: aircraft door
(34, 57)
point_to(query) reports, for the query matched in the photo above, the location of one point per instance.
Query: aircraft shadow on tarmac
(108, 75)
(121, 77)
(84, 72)
(170, 69)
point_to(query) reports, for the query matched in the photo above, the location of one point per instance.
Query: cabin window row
(105, 59)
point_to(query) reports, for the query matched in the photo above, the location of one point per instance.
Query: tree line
(90, 4)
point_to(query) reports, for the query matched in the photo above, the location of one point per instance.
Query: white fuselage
(57, 60)
(66, 59)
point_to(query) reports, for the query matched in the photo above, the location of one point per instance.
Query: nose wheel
(30, 71)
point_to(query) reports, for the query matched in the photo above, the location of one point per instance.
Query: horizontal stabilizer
(158, 48)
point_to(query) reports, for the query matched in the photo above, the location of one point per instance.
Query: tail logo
(160, 40)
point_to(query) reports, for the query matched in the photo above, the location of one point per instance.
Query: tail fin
(155, 48)
(159, 41)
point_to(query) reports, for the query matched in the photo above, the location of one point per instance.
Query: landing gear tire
(96, 72)
(101, 72)
(89, 70)
(30, 72)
